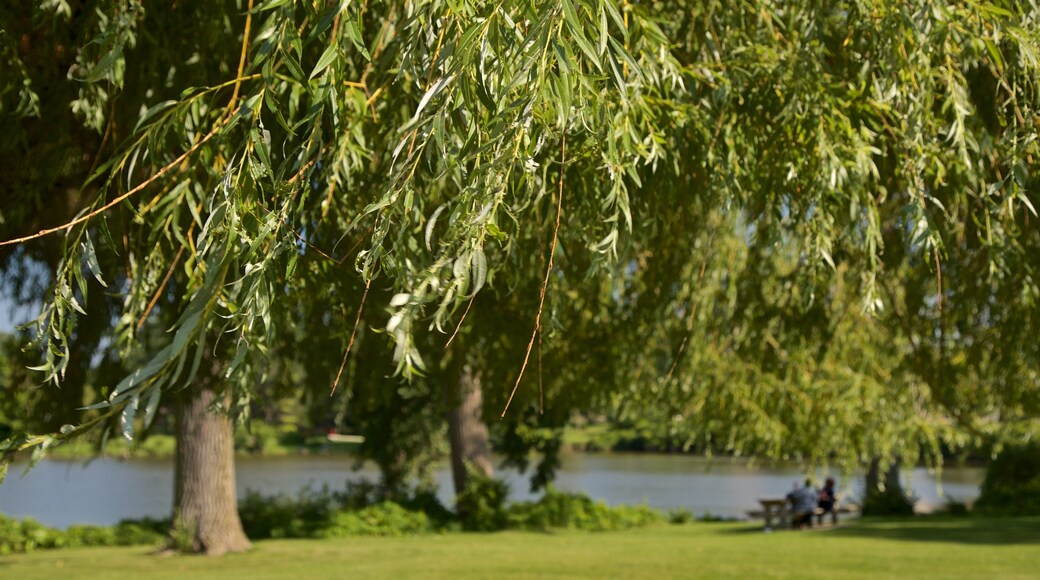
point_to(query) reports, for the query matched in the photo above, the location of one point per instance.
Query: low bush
(575, 511)
(891, 501)
(481, 507)
(283, 516)
(954, 508)
(1012, 484)
(680, 516)
(361, 509)
(26, 535)
(382, 519)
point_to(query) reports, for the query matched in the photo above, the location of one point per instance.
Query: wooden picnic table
(775, 508)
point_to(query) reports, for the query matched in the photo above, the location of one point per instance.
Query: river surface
(60, 493)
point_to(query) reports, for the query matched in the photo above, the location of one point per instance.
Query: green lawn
(926, 548)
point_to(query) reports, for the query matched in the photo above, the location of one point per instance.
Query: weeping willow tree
(822, 162)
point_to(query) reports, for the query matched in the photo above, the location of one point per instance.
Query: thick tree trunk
(205, 505)
(467, 433)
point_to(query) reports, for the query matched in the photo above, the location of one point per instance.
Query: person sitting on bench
(803, 503)
(826, 501)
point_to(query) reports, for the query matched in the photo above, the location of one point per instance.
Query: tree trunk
(467, 433)
(891, 500)
(891, 476)
(205, 505)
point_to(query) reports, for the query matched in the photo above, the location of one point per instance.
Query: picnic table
(778, 510)
(773, 508)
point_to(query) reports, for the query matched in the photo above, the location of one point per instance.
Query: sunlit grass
(922, 548)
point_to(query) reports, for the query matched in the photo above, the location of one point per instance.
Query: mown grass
(919, 548)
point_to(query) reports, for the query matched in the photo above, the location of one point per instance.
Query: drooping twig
(541, 389)
(548, 272)
(230, 110)
(461, 320)
(221, 121)
(938, 273)
(159, 290)
(120, 198)
(350, 343)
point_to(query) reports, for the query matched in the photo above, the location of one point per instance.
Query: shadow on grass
(962, 530)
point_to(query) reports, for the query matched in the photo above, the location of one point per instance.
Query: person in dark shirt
(826, 500)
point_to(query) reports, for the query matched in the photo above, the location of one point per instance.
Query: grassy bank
(923, 547)
(162, 447)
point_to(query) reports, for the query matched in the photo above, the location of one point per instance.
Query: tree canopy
(750, 178)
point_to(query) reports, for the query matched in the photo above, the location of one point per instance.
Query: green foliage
(576, 511)
(382, 519)
(362, 509)
(891, 501)
(27, 535)
(788, 229)
(481, 506)
(680, 516)
(281, 516)
(1012, 484)
(955, 508)
(365, 509)
(264, 438)
(182, 538)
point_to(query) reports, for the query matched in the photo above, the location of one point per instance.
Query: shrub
(28, 535)
(1012, 484)
(84, 535)
(680, 516)
(25, 535)
(577, 511)
(891, 501)
(361, 509)
(383, 519)
(359, 494)
(282, 516)
(481, 506)
(954, 508)
(425, 500)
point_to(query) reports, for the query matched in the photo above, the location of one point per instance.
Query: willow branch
(120, 198)
(353, 334)
(545, 281)
(461, 320)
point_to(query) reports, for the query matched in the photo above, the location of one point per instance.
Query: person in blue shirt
(803, 502)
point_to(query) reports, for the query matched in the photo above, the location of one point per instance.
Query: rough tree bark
(467, 432)
(205, 505)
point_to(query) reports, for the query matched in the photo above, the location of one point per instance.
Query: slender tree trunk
(891, 476)
(467, 433)
(205, 505)
(892, 500)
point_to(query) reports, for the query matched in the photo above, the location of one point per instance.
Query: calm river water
(104, 491)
